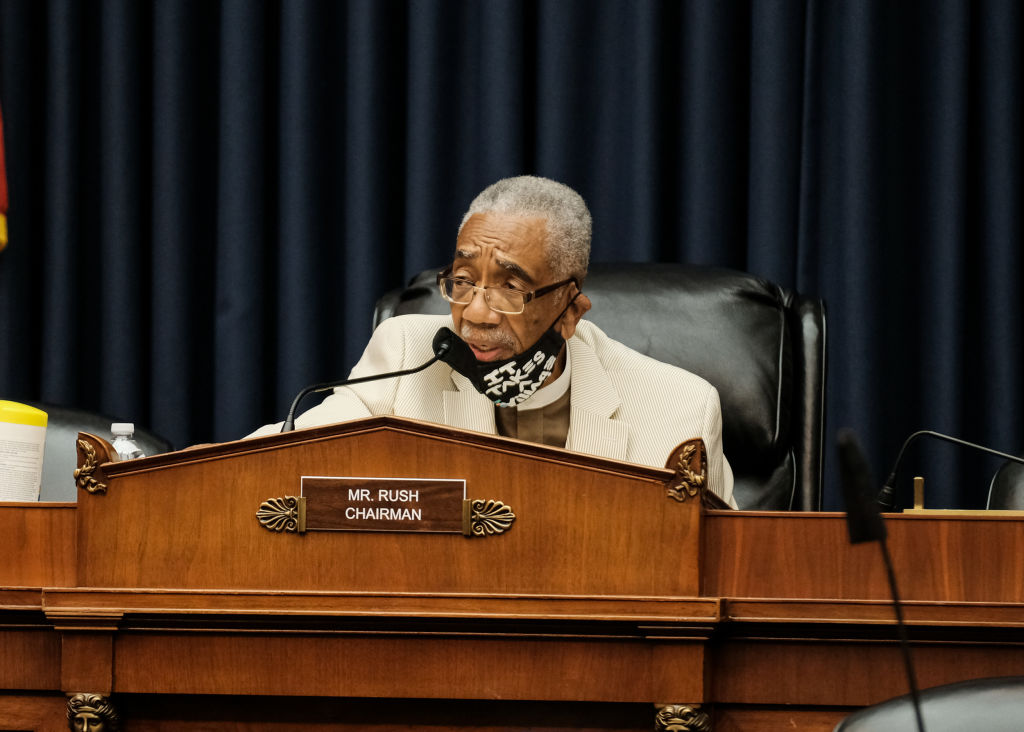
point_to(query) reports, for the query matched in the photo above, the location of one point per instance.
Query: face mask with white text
(513, 380)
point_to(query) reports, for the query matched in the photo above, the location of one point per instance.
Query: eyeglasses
(505, 300)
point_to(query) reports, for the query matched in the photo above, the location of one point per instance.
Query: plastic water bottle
(123, 441)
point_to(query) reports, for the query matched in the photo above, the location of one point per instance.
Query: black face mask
(513, 380)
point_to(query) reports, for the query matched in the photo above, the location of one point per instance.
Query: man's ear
(572, 316)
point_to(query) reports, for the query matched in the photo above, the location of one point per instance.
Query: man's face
(501, 250)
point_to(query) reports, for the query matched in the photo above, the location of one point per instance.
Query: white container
(22, 439)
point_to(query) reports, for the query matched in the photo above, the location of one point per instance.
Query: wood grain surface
(603, 599)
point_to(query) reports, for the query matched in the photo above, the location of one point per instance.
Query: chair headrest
(728, 327)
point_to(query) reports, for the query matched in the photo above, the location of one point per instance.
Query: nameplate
(433, 505)
(383, 504)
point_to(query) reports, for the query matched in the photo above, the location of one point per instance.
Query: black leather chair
(992, 705)
(1006, 491)
(60, 454)
(761, 345)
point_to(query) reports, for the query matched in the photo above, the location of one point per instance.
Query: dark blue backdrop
(207, 197)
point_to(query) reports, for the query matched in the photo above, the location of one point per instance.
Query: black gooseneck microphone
(443, 347)
(887, 496)
(865, 523)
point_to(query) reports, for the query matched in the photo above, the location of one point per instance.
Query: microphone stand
(901, 625)
(440, 350)
(865, 523)
(887, 496)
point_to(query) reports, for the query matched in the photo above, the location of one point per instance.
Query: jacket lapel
(593, 401)
(468, 409)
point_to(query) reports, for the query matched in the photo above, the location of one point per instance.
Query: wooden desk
(807, 620)
(603, 599)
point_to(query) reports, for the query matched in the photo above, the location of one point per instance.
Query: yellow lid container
(21, 414)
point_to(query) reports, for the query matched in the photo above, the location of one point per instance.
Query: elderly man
(529, 366)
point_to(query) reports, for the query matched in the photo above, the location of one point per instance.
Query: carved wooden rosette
(690, 463)
(487, 517)
(93, 451)
(681, 718)
(287, 513)
(92, 713)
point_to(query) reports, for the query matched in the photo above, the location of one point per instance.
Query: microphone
(887, 496)
(458, 354)
(863, 519)
(443, 341)
(864, 522)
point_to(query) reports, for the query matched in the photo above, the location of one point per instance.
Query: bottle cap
(122, 428)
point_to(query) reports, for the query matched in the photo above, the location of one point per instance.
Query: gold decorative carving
(92, 713)
(488, 517)
(681, 718)
(690, 462)
(85, 474)
(283, 514)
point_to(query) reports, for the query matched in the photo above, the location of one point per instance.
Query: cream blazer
(623, 405)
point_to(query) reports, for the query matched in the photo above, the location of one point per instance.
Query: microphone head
(886, 499)
(454, 351)
(863, 519)
(443, 342)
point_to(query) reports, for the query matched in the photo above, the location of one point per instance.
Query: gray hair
(568, 219)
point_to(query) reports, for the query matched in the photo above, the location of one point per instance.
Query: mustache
(490, 338)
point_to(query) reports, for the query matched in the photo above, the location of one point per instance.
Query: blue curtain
(207, 197)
